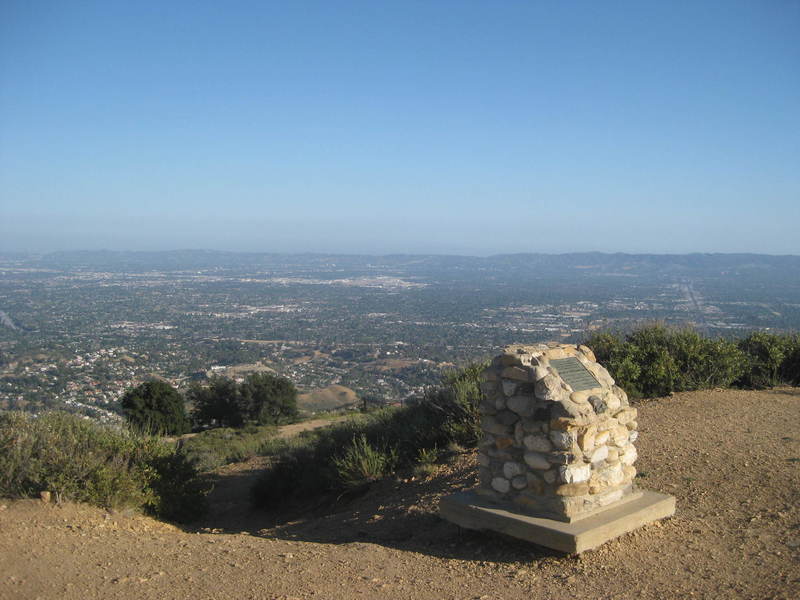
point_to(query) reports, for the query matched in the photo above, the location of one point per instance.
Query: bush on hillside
(216, 447)
(457, 401)
(179, 493)
(705, 363)
(372, 445)
(306, 464)
(362, 464)
(84, 461)
(619, 358)
(656, 360)
(155, 407)
(765, 352)
(790, 368)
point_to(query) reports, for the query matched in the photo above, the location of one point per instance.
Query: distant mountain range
(596, 262)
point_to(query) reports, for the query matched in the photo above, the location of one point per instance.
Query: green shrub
(657, 367)
(605, 344)
(620, 358)
(426, 462)
(656, 360)
(457, 401)
(428, 456)
(765, 355)
(83, 461)
(704, 363)
(362, 464)
(180, 495)
(383, 441)
(216, 447)
(306, 464)
(790, 368)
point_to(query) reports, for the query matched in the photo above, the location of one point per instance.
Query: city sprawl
(77, 329)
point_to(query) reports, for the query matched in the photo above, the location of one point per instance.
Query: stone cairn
(550, 450)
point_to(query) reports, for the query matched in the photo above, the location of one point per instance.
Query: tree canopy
(268, 399)
(262, 398)
(155, 407)
(216, 404)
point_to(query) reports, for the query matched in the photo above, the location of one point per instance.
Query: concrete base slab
(470, 511)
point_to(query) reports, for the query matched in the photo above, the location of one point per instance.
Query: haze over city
(414, 127)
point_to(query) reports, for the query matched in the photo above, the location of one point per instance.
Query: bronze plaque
(574, 373)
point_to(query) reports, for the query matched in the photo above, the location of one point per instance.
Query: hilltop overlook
(726, 455)
(257, 261)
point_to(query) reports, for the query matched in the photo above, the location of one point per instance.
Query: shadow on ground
(401, 514)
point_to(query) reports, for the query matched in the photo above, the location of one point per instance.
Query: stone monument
(556, 460)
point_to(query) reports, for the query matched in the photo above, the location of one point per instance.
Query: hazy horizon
(418, 128)
(188, 250)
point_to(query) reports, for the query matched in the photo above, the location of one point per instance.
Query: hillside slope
(732, 459)
(333, 397)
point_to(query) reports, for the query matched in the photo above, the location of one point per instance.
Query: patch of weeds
(361, 463)
(216, 447)
(372, 445)
(454, 449)
(426, 462)
(428, 456)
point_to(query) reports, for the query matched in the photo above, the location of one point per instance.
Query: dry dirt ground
(731, 458)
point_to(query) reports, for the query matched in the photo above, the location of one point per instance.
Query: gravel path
(731, 458)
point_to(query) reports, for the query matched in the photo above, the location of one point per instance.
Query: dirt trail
(731, 458)
(285, 431)
(229, 501)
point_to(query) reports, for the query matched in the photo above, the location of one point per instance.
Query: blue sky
(381, 127)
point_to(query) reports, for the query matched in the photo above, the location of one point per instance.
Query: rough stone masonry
(558, 434)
